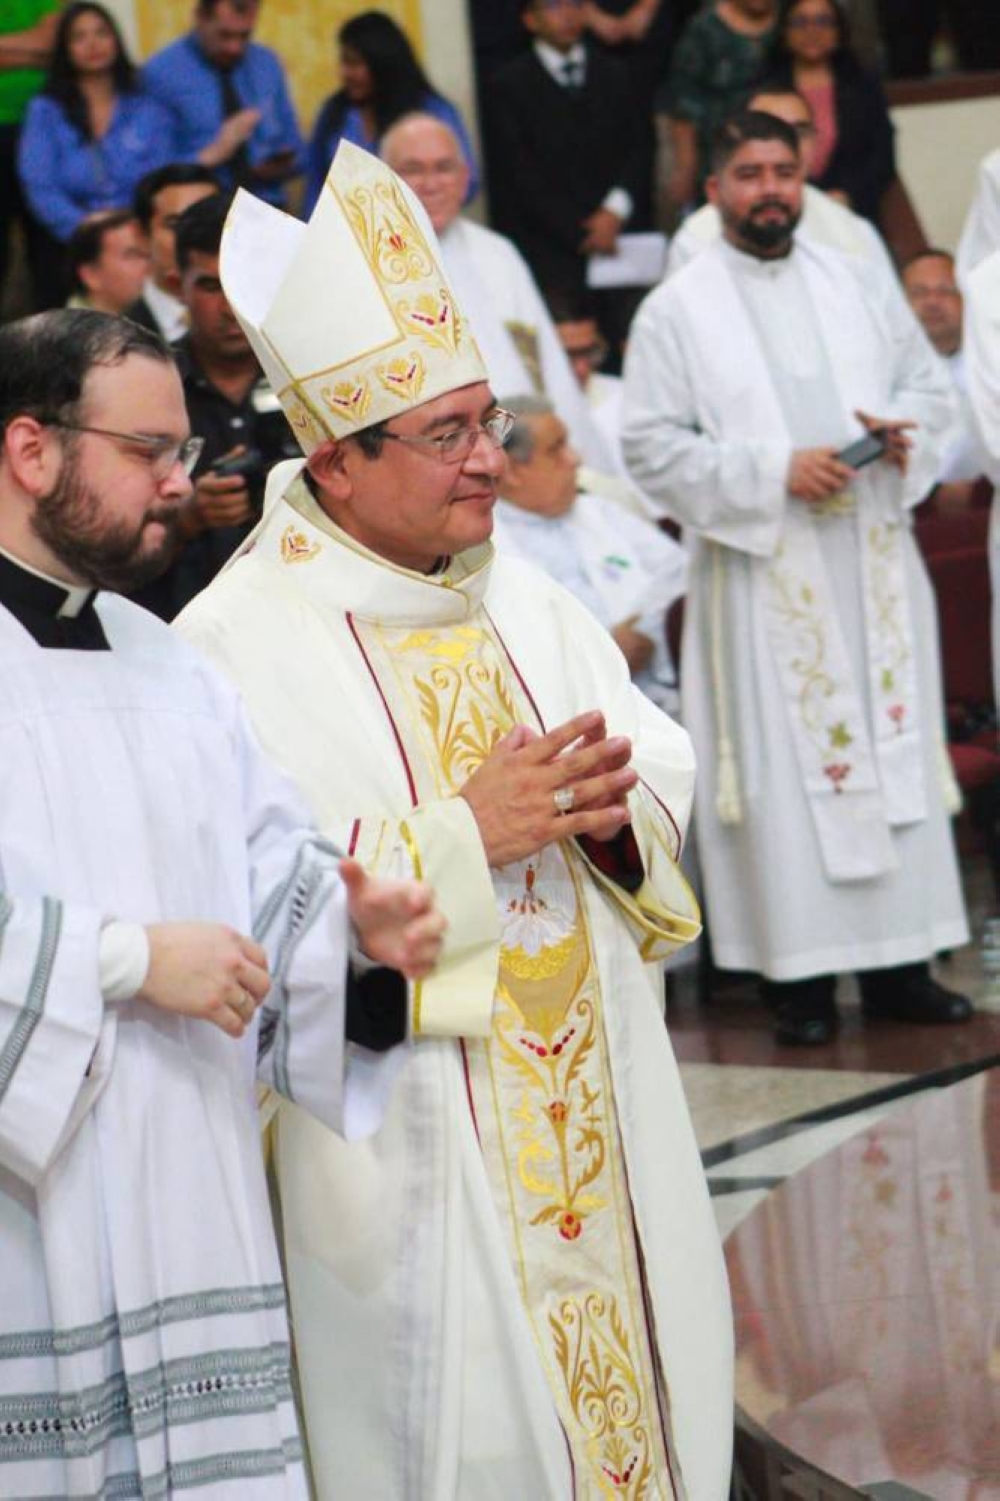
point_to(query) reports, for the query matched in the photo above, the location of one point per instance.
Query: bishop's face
(412, 505)
(759, 197)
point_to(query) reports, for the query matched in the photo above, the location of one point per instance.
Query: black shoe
(911, 994)
(805, 1011)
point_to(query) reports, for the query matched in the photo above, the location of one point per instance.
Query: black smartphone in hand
(866, 450)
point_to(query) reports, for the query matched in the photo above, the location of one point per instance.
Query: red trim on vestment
(388, 712)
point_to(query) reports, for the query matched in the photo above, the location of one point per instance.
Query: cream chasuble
(515, 1288)
(810, 682)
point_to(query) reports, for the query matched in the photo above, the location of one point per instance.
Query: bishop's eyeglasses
(454, 447)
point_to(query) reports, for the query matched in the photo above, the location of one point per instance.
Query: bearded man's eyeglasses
(160, 453)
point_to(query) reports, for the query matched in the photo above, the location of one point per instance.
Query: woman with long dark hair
(854, 157)
(91, 134)
(380, 81)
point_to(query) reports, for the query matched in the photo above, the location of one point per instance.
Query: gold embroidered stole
(541, 1085)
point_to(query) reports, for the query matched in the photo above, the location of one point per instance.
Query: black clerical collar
(57, 616)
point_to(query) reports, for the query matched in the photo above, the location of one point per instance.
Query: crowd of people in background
(498, 532)
(597, 119)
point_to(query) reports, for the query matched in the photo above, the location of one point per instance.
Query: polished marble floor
(762, 1111)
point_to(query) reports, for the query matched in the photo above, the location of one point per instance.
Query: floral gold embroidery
(304, 425)
(890, 611)
(433, 318)
(796, 604)
(592, 1350)
(296, 547)
(404, 377)
(351, 398)
(393, 244)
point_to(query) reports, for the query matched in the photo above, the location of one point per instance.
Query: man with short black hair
(107, 260)
(823, 218)
(145, 837)
(229, 99)
(230, 406)
(810, 682)
(160, 199)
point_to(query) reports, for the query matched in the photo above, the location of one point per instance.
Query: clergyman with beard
(143, 837)
(809, 679)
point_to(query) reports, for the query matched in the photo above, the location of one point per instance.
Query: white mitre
(350, 315)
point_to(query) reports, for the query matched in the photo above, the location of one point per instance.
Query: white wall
(939, 148)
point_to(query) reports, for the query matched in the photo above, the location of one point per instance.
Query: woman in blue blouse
(90, 135)
(381, 80)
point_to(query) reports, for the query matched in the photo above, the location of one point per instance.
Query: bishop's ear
(329, 466)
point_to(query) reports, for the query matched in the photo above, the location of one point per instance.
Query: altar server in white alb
(144, 1347)
(514, 330)
(515, 1287)
(810, 677)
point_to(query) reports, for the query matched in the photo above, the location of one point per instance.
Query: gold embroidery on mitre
(301, 420)
(433, 317)
(296, 547)
(404, 377)
(393, 244)
(351, 398)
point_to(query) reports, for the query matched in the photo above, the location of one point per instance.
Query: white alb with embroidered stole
(810, 681)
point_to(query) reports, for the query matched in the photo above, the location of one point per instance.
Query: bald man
(513, 328)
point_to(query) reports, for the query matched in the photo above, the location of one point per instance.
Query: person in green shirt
(716, 64)
(27, 31)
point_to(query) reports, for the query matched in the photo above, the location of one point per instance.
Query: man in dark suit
(565, 147)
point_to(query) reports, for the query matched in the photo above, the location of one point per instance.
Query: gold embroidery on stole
(542, 1085)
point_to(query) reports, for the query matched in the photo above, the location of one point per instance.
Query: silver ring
(564, 799)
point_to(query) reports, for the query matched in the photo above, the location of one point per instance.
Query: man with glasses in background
(534, 1194)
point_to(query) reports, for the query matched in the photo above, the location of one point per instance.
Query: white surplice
(732, 365)
(981, 349)
(514, 329)
(981, 232)
(618, 566)
(143, 1335)
(434, 1272)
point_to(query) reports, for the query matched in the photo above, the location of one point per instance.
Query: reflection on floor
(762, 1111)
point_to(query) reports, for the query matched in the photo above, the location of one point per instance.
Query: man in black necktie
(564, 147)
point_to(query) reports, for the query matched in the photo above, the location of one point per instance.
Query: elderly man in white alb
(810, 680)
(514, 331)
(623, 568)
(515, 1288)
